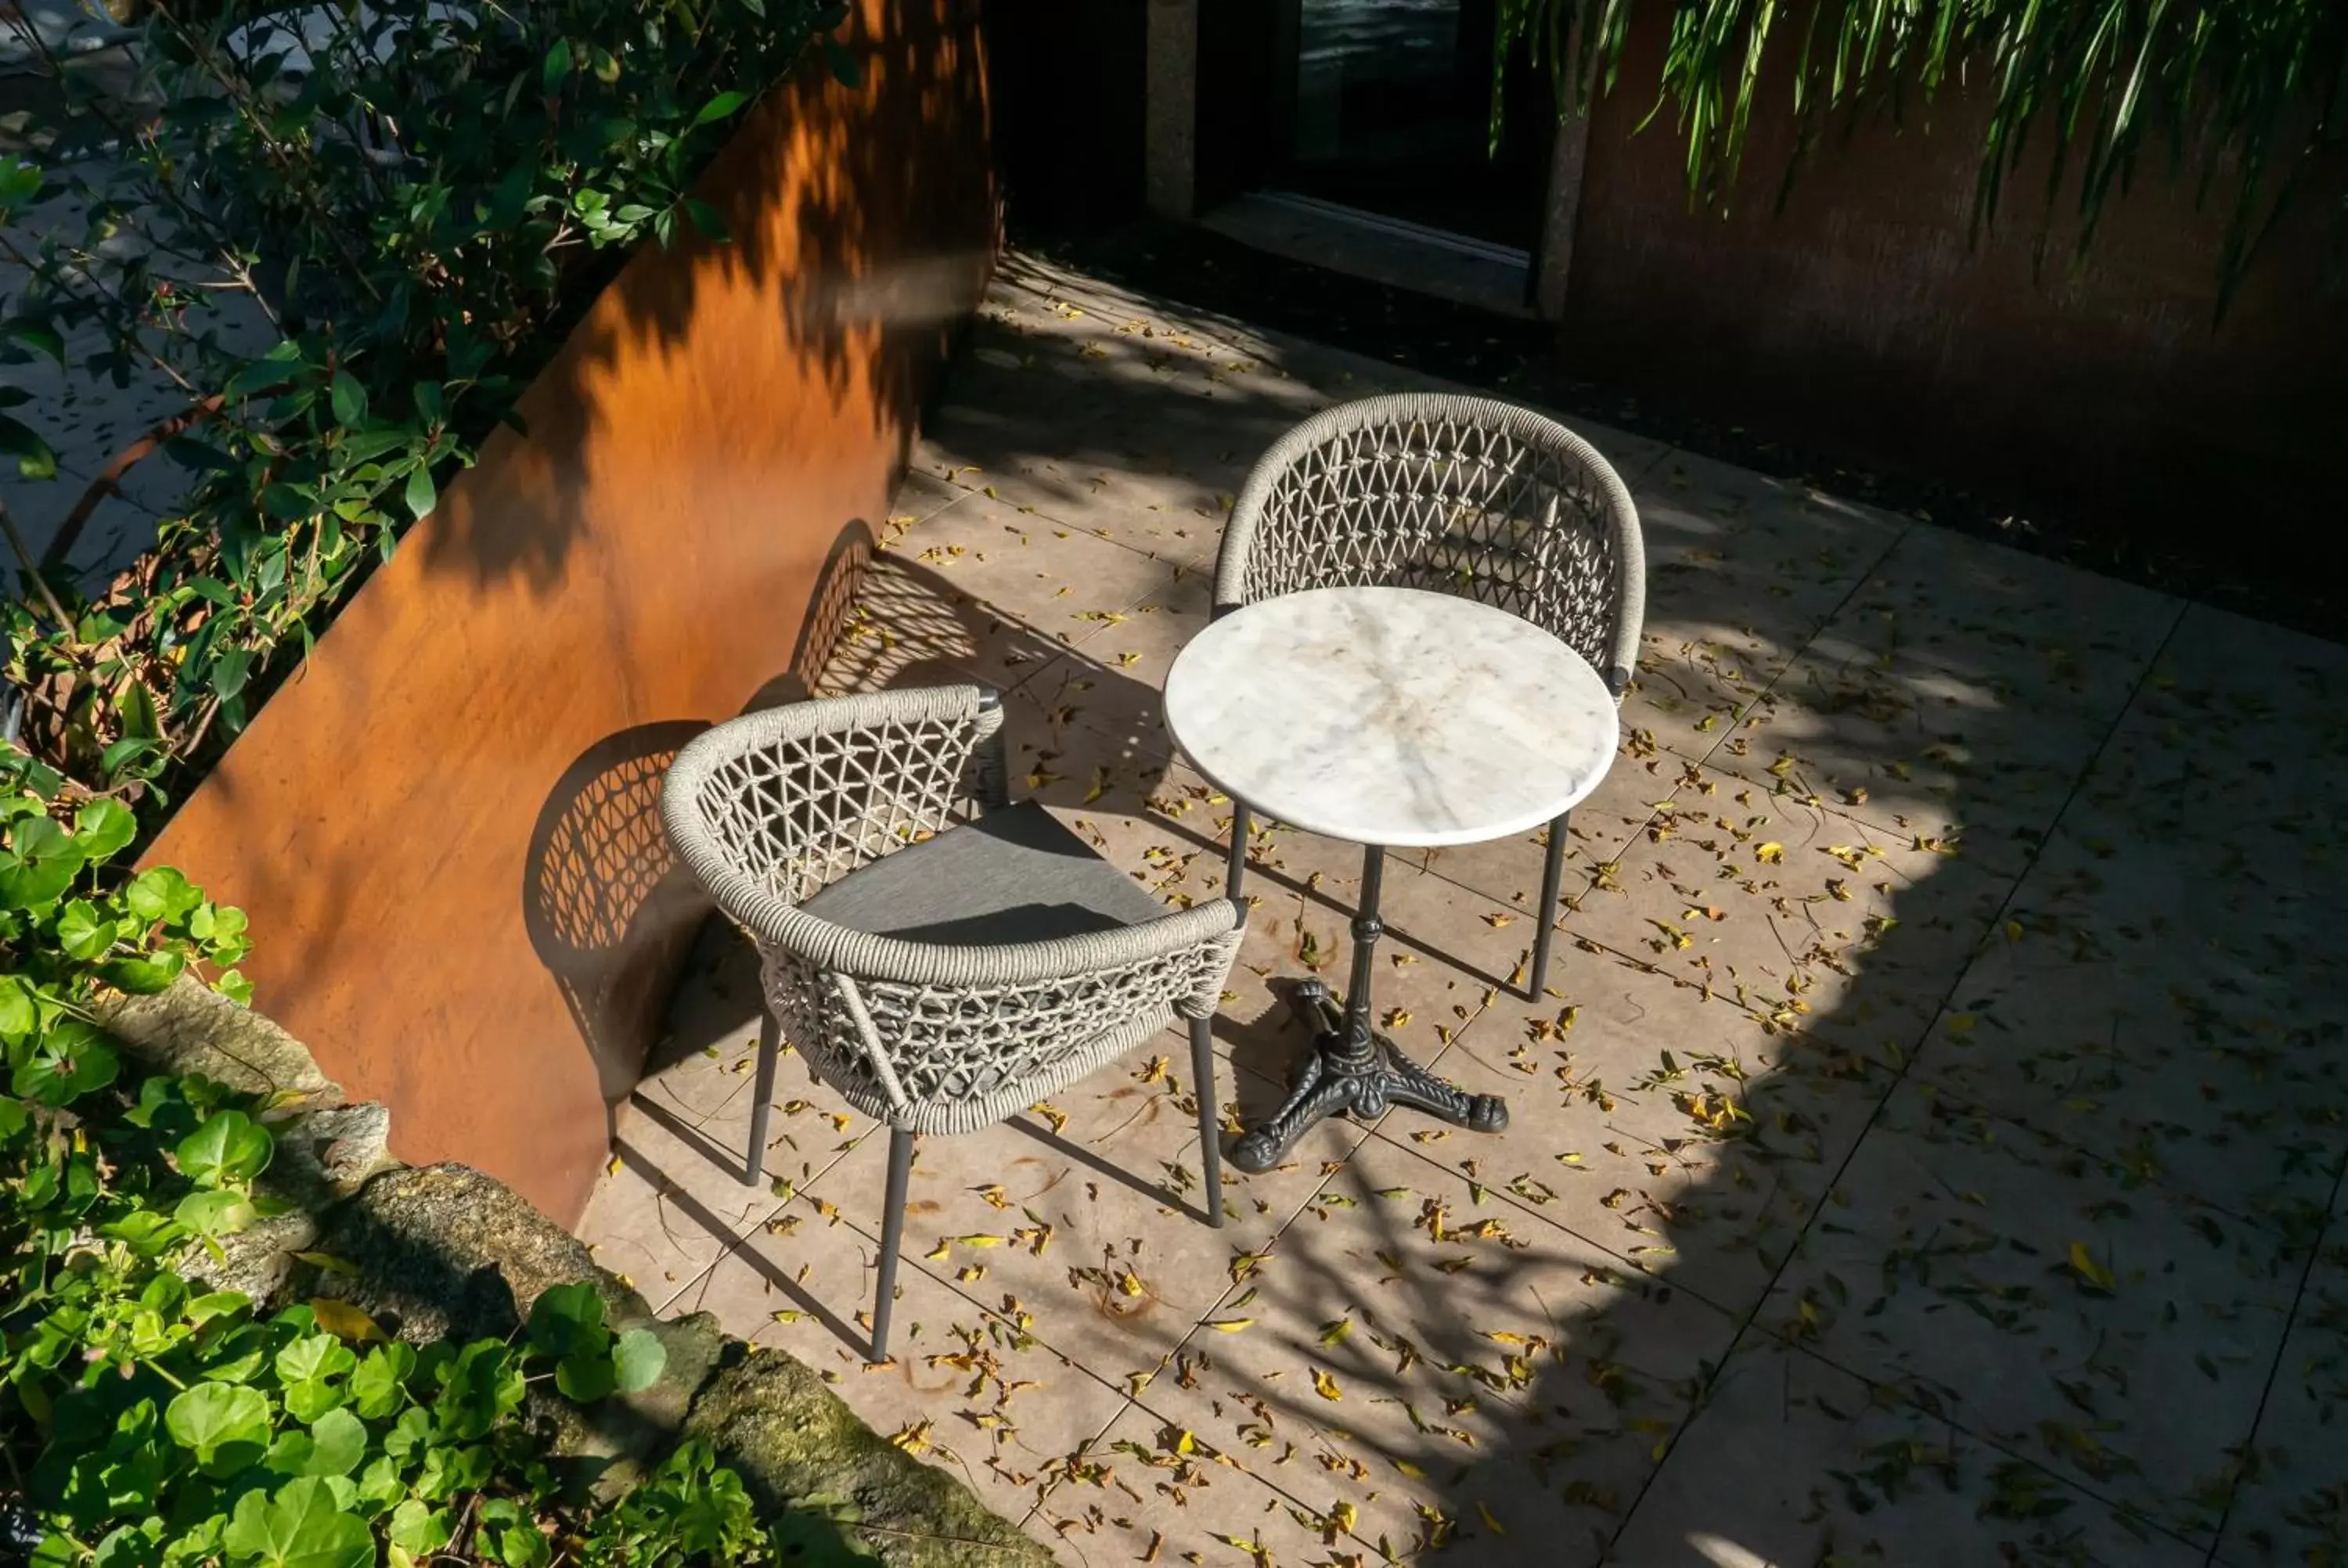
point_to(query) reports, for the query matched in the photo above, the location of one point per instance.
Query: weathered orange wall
(1859, 321)
(443, 829)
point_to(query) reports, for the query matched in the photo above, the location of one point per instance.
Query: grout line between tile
(1037, 512)
(1900, 1077)
(2274, 1371)
(1034, 1510)
(661, 1309)
(1064, 646)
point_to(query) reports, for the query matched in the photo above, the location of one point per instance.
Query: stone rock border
(445, 1250)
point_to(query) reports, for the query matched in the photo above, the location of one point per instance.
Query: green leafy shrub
(348, 235)
(2246, 88)
(149, 1420)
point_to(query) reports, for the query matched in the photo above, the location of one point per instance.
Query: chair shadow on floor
(610, 913)
(707, 1220)
(878, 621)
(608, 910)
(874, 621)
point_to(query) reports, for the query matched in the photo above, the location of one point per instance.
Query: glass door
(1393, 116)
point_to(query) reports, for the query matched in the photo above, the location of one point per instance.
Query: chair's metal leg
(1235, 863)
(1552, 883)
(1210, 1143)
(892, 1237)
(770, 1046)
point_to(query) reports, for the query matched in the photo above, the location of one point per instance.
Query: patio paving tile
(1056, 583)
(913, 625)
(1679, 1131)
(1861, 1067)
(1742, 571)
(675, 1203)
(1793, 1460)
(700, 1084)
(2222, 1080)
(1140, 428)
(2225, 764)
(1818, 921)
(921, 498)
(1418, 1362)
(1135, 491)
(2293, 1503)
(809, 1130)
(1142, 1494)
(1117, 687)
(975, 1391)
(641, 1233)
(1088, 1210)
(2169, 997)
(2043, 1300)
(1959, 695)
(709, 1033)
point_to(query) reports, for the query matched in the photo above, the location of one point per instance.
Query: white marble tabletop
(1391, 715)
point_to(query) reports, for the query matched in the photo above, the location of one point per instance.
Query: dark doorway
(1392, 116)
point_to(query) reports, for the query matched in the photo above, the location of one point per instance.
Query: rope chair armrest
(949, 1039)
(891, 960)
(876, 1050)
(1630, 607)
(1207, 948)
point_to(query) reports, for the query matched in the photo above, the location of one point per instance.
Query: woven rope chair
(1460, 495)
(864, 842)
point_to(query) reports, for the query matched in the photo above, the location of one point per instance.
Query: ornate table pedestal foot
(1352, 1067)
(1360, 1073)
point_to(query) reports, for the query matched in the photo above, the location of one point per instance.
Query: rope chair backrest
(1460, 495)
(800, 796)
(932, 1035)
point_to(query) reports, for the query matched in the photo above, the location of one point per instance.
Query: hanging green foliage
(2239, 92)
(345, 236)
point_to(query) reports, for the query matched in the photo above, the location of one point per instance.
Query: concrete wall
(444, 827)
(1859, 322)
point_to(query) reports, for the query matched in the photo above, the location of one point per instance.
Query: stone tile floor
(1928, 1149)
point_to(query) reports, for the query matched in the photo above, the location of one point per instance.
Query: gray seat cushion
(1014, 876)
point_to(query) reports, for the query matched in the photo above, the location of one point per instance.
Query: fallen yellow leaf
(344, 1321)
(2083, 1263)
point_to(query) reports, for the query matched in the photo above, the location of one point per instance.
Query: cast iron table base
(1352, 1068)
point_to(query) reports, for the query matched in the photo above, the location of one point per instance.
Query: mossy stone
(794, 1442)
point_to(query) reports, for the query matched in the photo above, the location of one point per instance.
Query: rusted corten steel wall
(445, 828)
(1859, 321)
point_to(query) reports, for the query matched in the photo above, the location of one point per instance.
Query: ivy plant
(149, 1421)
(344, 237)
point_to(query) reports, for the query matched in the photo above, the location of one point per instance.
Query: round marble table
(1389, 717)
